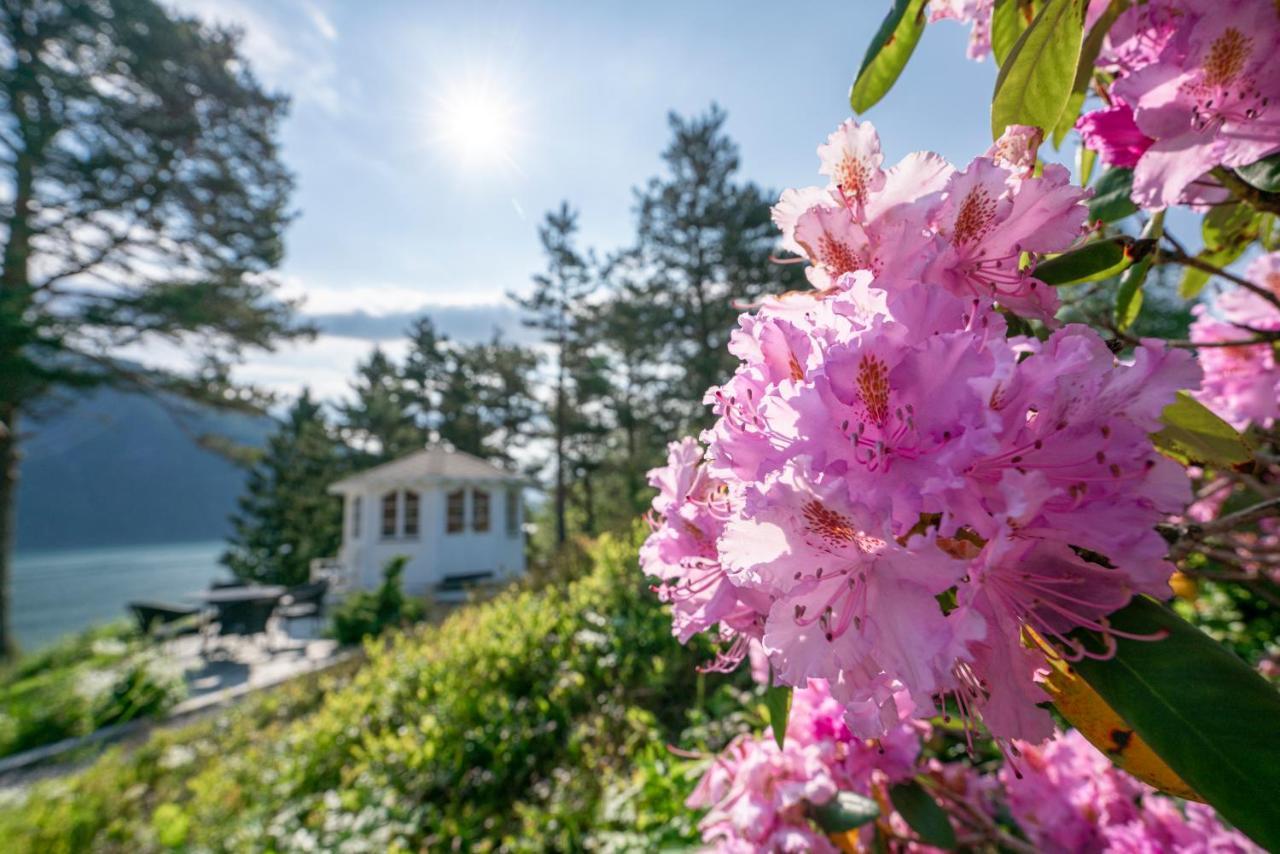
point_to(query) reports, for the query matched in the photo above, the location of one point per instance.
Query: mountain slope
(114, 468)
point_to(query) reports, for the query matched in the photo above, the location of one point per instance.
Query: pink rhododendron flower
(922, 221)
(1113, 133)
(1068, 797)
(1242, 383)
(1204, 86)
(758, 795)
(894, 489)
(974, 12)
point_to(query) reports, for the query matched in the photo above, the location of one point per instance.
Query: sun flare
(478, 124)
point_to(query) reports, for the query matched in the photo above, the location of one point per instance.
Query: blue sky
(396, 217)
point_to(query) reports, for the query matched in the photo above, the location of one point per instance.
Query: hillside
(112, 468)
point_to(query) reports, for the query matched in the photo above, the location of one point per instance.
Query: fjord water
(56, 592)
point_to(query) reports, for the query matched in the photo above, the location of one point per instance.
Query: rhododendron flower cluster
(969, 231)
(1242, 383)
(897, 496)
(1065, 795)
(1195, 86)
(758, 795)
(1069, 797)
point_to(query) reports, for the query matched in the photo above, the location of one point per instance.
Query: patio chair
(242, 619)
(164, 621)
(306, 601)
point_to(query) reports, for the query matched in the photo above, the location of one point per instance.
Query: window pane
(480, 510)
(411, 514)
(389, 515)
(455, 511)
(355, 517)
(513, 512)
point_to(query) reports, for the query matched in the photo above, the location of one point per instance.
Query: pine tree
(286, 518)
(379, 422)
(558, 294)
(143, 199)
(704, 242)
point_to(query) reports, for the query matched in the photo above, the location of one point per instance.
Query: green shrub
(366, 614)
(529, 722)
(106, 675)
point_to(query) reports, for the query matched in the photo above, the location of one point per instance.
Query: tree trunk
(8, 488)
(562, 531)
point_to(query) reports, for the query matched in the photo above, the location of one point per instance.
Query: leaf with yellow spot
(1107, 731)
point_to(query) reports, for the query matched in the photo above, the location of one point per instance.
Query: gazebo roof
(431, 464)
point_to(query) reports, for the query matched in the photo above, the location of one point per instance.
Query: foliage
(524, 723)
(368, 613)
(286, 517)
(104, 676)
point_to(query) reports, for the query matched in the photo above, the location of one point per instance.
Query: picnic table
(246, 593)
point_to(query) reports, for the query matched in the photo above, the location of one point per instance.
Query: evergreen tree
(704, 240)
(142, 200)
(286, 518)
(558, 295)
(379, 423)
(477, 398)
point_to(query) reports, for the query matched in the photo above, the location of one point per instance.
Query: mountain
(109, 468)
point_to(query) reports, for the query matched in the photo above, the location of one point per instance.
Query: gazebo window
(513, 512)
(455, 512)
(410, 513)
(355, 517)
(389, 515)
(479, 510)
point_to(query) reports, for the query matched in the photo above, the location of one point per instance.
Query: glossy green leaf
(1111, 200)
(1205, 712)
(1100, 259)
(1035, 80)
(777, 701)
(1009, 18)
(1265, 174)
(1226, 223)
(844, 812)
(922, 813)
(1089, 51)
(1194, 434)
(888, 53)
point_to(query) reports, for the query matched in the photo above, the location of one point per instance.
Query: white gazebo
(458, 519)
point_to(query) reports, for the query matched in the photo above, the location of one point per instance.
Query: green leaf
(888, 53)
(923, 814)
(1099, 259)
(1086, 159)
(777, 700)
(844, 812)
(1265, 174)
(1111, 200)
(1228, 230)
(1192, 282)
(1035, 81)
(1129, 298)
(1205, 712)
(1009, 18)
(1193, 433)
(1089, 51)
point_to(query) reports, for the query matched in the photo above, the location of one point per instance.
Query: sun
(478, 124)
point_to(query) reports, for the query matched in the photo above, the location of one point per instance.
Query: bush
(366, 614)
(523, 723)
(103, 676)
